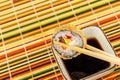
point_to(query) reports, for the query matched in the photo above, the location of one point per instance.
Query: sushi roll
(69, 36)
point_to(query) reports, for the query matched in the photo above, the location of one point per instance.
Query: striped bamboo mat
(26, 27)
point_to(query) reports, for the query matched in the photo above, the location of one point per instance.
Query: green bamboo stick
(112, 29)
(24, 56)
(117, 69)
(40, 73)
(25, 63)
(45, 74)
(28, 38)
(113, 32)
(53, 19)
(37, 19)
(13, 66)
(111, 26)
(116, 45)
(117, 77)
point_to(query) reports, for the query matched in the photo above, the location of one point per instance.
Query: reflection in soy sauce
(84, 65)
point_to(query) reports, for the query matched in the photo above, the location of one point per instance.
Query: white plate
(91, 32)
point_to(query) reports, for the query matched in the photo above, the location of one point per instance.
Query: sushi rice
(69, 38)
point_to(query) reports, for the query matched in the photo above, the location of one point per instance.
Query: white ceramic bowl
(97, 33)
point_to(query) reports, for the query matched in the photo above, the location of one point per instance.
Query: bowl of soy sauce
(85, 67)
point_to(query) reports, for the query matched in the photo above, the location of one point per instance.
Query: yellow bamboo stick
(8, 18)
(25, 7)
(7, 73)
(21, 2)
(118, 51)
(48, 21)
(17, 48)
(12, 57)
(20, 76)
(111, 76)
(17, 69)
(39, 14)
(53, 76)
(2, 48)
(22, 53)
(34, 20)
(63, 16)
(99, 19)
(117, 48)
(4, 3)
(115, 42)
(88, 14)
(33, 56)
(16, 4)
(12, 23)
(111, 29)
(22, 8)
(113, 35)
(22, 60)
(24, 36)
(108, 23)
(30, 38)
(49, 31)
(3, 8)
(83, 15)
(48, 73)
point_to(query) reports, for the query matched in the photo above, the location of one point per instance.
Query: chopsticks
(104, 56)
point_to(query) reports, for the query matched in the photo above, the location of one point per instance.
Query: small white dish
(90, 32)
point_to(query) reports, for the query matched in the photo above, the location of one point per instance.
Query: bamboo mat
(26, 28)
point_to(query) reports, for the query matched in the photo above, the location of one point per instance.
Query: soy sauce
(84, 65)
